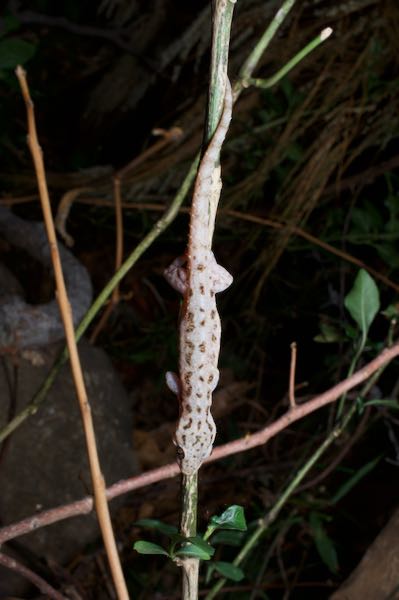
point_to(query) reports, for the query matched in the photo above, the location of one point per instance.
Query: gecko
(198, 277)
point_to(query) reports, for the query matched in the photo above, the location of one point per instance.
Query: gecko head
(189, 463)
(194, 446)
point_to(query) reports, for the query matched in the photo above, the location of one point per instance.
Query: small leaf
(198, 541)
(228, 570)
(193, 551)
(143, 547)
(232, 518)
(15, 52)
(324, 544)
(352, 481)
(158, 525)
(363, 301)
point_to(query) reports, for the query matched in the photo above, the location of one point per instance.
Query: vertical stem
(222, 15)
(188, 528)
(254, 57)
(221, 24)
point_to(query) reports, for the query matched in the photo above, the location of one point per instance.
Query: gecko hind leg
(173, 382)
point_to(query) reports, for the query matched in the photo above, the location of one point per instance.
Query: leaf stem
(268, 83)
(254, 57)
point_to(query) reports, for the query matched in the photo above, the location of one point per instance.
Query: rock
(377, 575)
(45, 463)
(26, 326)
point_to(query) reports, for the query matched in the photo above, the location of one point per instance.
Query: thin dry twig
(115, 297)
(39, 582)
(247, 442)
(101, 504)
(291, 392)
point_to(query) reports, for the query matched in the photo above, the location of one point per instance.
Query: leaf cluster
(180, 547)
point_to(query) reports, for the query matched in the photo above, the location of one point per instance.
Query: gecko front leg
(176, 274)
(221, 278)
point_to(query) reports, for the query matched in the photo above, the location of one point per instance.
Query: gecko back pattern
(199, 278)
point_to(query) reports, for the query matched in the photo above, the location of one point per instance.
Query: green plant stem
(268, 83)
(264, 523)
(350, 372)
(222, 15)
(188, 528)
(254, 57)
(156, 230)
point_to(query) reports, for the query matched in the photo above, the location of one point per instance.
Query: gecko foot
(173, 382)
(221, 277)
(176, 274)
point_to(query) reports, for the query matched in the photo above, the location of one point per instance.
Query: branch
(43, 586)
(85, 505)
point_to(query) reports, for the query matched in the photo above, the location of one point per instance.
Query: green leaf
(15, 52)
(193, 551)
(232, 518)
(354, 479)
(388, 402)
(363, 301)
(228, 570)
(158, 525)
(198, 541)
(143, 547)
(324, 544)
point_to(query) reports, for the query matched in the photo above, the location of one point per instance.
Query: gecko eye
(180, 453)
